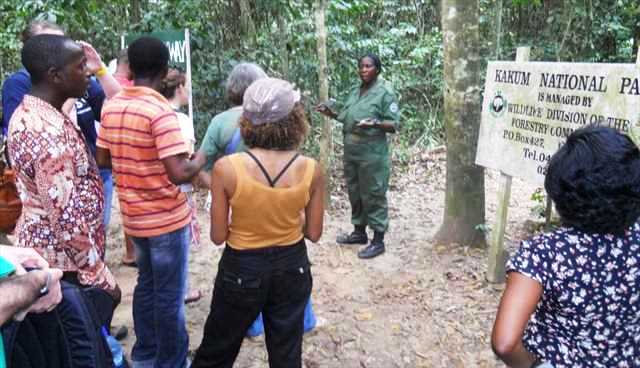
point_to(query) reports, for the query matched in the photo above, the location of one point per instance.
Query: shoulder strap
(232, 146)
(264, 171)
(284, 169)
(272, 183)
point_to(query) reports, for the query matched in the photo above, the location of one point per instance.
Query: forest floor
(419, 305)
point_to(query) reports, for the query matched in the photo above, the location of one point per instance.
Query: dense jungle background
(425, 302)
(280, 35)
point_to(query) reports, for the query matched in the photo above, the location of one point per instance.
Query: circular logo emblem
(393, 108)
(498, 104)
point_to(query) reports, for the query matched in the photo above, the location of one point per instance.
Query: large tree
(326, 146)
(464, 199)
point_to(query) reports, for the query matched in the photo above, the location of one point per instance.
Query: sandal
(192, 296)
(353, 238)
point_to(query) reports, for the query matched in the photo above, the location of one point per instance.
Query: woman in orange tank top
(266, 201)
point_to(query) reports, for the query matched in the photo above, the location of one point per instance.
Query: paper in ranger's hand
(368, 122)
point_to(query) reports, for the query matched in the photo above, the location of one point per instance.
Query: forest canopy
(280, 36)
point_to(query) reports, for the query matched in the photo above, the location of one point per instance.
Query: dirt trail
(418, 305)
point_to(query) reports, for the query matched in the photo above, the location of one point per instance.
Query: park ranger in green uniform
(369, 113)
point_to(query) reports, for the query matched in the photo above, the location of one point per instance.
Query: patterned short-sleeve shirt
(589, 313)
(61, 192)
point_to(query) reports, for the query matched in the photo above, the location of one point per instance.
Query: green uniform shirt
(6, 269)
(219, 134)
(378, 102)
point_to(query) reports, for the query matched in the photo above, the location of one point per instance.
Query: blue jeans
(107, 183)
(158, 300)
(257, 327)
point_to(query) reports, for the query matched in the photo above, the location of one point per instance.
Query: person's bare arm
(518, 302)
(326, 111)
(68, 108)
(204, 179)
(384, 125)
(17, 293)
(103, 158)
(223, 183)
(22, 258)
(314, 212)
(387, 126)
(181, 169)
(109, 84)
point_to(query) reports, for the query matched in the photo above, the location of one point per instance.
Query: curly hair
(286, 134)
(594, 181)
(174, 79)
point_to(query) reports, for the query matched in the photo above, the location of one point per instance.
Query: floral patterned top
(61, 192)
(589, 313)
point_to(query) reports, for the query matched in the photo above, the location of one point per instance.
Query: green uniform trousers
(366, 170)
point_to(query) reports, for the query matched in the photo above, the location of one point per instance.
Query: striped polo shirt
(139, 128)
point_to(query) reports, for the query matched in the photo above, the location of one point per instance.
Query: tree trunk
(284, 39)
(437, 13)
(135, 11)
(246, 21)
(320, 7)
(464, 198)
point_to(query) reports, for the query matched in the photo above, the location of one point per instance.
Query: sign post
(497, 254)
(179, 46)
(529, 110)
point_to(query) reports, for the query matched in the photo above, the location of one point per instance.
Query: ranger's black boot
(375, 248)
(358, 236)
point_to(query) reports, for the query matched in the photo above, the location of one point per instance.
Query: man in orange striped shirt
(140, 139)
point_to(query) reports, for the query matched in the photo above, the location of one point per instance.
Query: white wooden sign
(529, 109)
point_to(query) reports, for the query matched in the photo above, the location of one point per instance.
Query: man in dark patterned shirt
(57, 175)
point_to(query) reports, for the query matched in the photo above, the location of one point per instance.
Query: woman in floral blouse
(573, 295)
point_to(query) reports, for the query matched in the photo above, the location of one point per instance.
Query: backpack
(68, 337)
(232, 146)
(10, 203)
(37, 341)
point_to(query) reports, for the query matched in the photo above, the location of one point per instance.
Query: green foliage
(485, 228)
(405, 34)
(539, 197)
(408, 42)
(570, 30)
